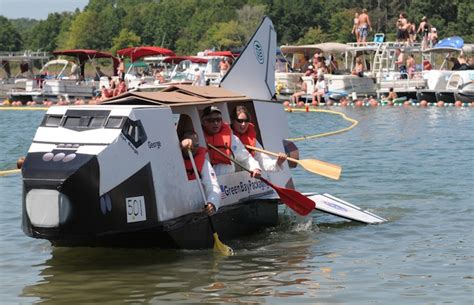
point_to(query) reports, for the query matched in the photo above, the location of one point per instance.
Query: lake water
(412, 166)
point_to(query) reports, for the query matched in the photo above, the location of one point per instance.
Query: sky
(38, 9)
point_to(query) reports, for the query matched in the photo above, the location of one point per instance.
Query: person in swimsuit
(364, 26)
(355, 27)
(424, 29)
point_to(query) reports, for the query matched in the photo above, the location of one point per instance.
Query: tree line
(189, 26)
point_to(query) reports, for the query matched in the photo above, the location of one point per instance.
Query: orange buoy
(458, 103)
(423, 103)
(358, 103)
(286, 104)
(440, 104)
(300, 105)
(344, 103)
(373, 102)
(406, 103)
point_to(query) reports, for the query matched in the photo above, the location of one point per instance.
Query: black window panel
(97, 122)
(134, 132)
(115, 122)
(52, 120)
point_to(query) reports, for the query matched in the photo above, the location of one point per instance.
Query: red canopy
(138, 52)
(84, 55)
(221, 53)
(178, 59)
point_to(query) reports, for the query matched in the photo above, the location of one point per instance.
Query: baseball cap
(210, 109)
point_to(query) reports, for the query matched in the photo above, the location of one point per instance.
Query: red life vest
(222, 141)
(199, 159)
(249, 137)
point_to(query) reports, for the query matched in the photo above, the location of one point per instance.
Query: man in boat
(219, 134)
(190, 141)
(247, 134)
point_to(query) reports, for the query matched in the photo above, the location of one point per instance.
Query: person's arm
(211, 185)
(242, 155)
(368, 23)
(269, 163)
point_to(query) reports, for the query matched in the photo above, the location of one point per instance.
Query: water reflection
(267, 264)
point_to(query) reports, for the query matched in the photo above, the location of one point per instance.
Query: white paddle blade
(335, 206)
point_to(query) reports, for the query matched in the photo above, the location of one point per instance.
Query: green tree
(314, 35)
(45, 34)
(10, 39)
(124, 40)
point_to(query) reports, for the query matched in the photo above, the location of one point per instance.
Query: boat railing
(24, 55)
(375, 46)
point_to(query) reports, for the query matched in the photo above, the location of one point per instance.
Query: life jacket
(222, 141)
(199, 159)
(249, 137)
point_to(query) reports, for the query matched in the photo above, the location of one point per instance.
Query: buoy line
(9, 172)
(325, 134)
(24, 108)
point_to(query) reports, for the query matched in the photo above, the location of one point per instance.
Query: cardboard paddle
(218, 245)
(293, 199)
(322, 168)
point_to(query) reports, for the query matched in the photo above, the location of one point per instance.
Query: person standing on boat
(219, 134)
(121, 69)
(223, 66)
(364, 26)
(424, 29)
(199, 77)
(247, 134)
(74, 70)
(190, 141)
(355, 27)
(402, 68)
(411, 66)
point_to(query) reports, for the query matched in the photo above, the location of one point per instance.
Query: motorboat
(114, 175)
(63, 78)
(29, 63)
(444, 83)
(180, 70)
(135, 76)
(341, 81)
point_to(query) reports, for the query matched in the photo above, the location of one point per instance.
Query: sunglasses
(214, 120)
(242, 120)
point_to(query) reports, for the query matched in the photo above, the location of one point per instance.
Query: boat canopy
(138, 52)
(221, 53)
(178, 59)
(85, 55)
(309, 49)
(179, 95)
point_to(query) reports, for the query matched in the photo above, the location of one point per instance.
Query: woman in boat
(245, 131)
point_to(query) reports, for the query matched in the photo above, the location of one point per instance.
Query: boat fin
(253, 72)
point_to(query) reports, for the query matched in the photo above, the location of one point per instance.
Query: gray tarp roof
(326, 47)
(179, 95)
